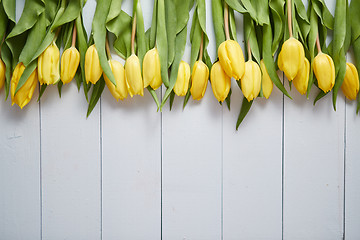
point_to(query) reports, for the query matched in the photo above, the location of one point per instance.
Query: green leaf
(121, 27)
(171, 30)
(182, 14)
(42, 90)
(115, 10)
(9, 7)
(95, 95)
(140, 31)
(218, 21)
(278, 17)
(99, 34)
(262, 10)
(162, 41)
(70, 13)
(355, 19)
(245, 107)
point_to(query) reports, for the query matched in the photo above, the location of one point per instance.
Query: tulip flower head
(251, 81)
(182, 80)
(133, 77)
(350, 85)
(220, 82)
(70, 60)
(48, 65)
(120, 90)
(324, 71)
(291, 58)
(25, 93)
(151, 69)
(93, 68)
(301, 80)
(2, 73)
(199, 77)
(266, 82)
(231, 59)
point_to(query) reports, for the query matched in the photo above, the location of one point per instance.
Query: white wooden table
(292, 171)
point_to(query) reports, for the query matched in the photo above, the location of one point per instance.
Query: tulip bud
(133, 77)
(200, 77)
(93, 68)
(70, 60)
(25, 93)
(291, 57)
(182, 81)
(251, 81)
(231, 59)
(2, 73)
(324, 71)
(266, 82)
(48, 65)
(220, 82)
(350, 86)
(301, 80)
(151, 69)
(120, 90)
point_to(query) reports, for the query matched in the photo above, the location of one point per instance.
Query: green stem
(133, 35)
(318, 44)
(289, 5)
(226, 20)
(201, 46)
(74, 36)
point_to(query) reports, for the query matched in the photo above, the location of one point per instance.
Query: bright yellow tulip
(266, 82)
(350, 86)
(120, 90)
(151, 69)
(2, 73)
(133, 77)
(25, 93)
(93, 68)
(251, 81)
(70, 60)
(291, 57)
(301, 80)
(199, 77)
(231, 59)
(48, 65)
(182, 80)
(220, 82)
(324, 71)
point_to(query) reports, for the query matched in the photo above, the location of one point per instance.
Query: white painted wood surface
(128, 172)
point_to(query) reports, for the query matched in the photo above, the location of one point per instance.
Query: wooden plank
(252, 168)
(131, 168)
(70, 166)
(313, 168)
(19, 170)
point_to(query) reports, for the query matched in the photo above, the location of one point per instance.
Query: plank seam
(101, 172)
(282, 162)
(344, 180)
(40, 170)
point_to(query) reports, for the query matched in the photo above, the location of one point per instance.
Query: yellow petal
(324, 71)
(220, 82)
(350, 86)
(70, 60)
(291, 57)
(182, 80)
(133, 78)
(266, 82)
(48, 65)
(251, 81)
(301, 80)
(2, 73)
(231, 58)
(93, 68)
(200, 77)
(120, 91)
(151, 69)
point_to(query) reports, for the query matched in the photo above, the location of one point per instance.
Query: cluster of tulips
(146, 70)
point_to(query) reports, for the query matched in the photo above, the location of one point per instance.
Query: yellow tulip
(291, 57)
(48, 65)
(251, 81)
(266, 82)
(200, 77)
(324, 71)
(2, 73)
(120, 90)
(25, 93)
(231, 59)
(220, 82)
(350, 86)
(301, 80)
(182, 80)
(93, 68)
(133, 77)
(151, 69)
(70, 60)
